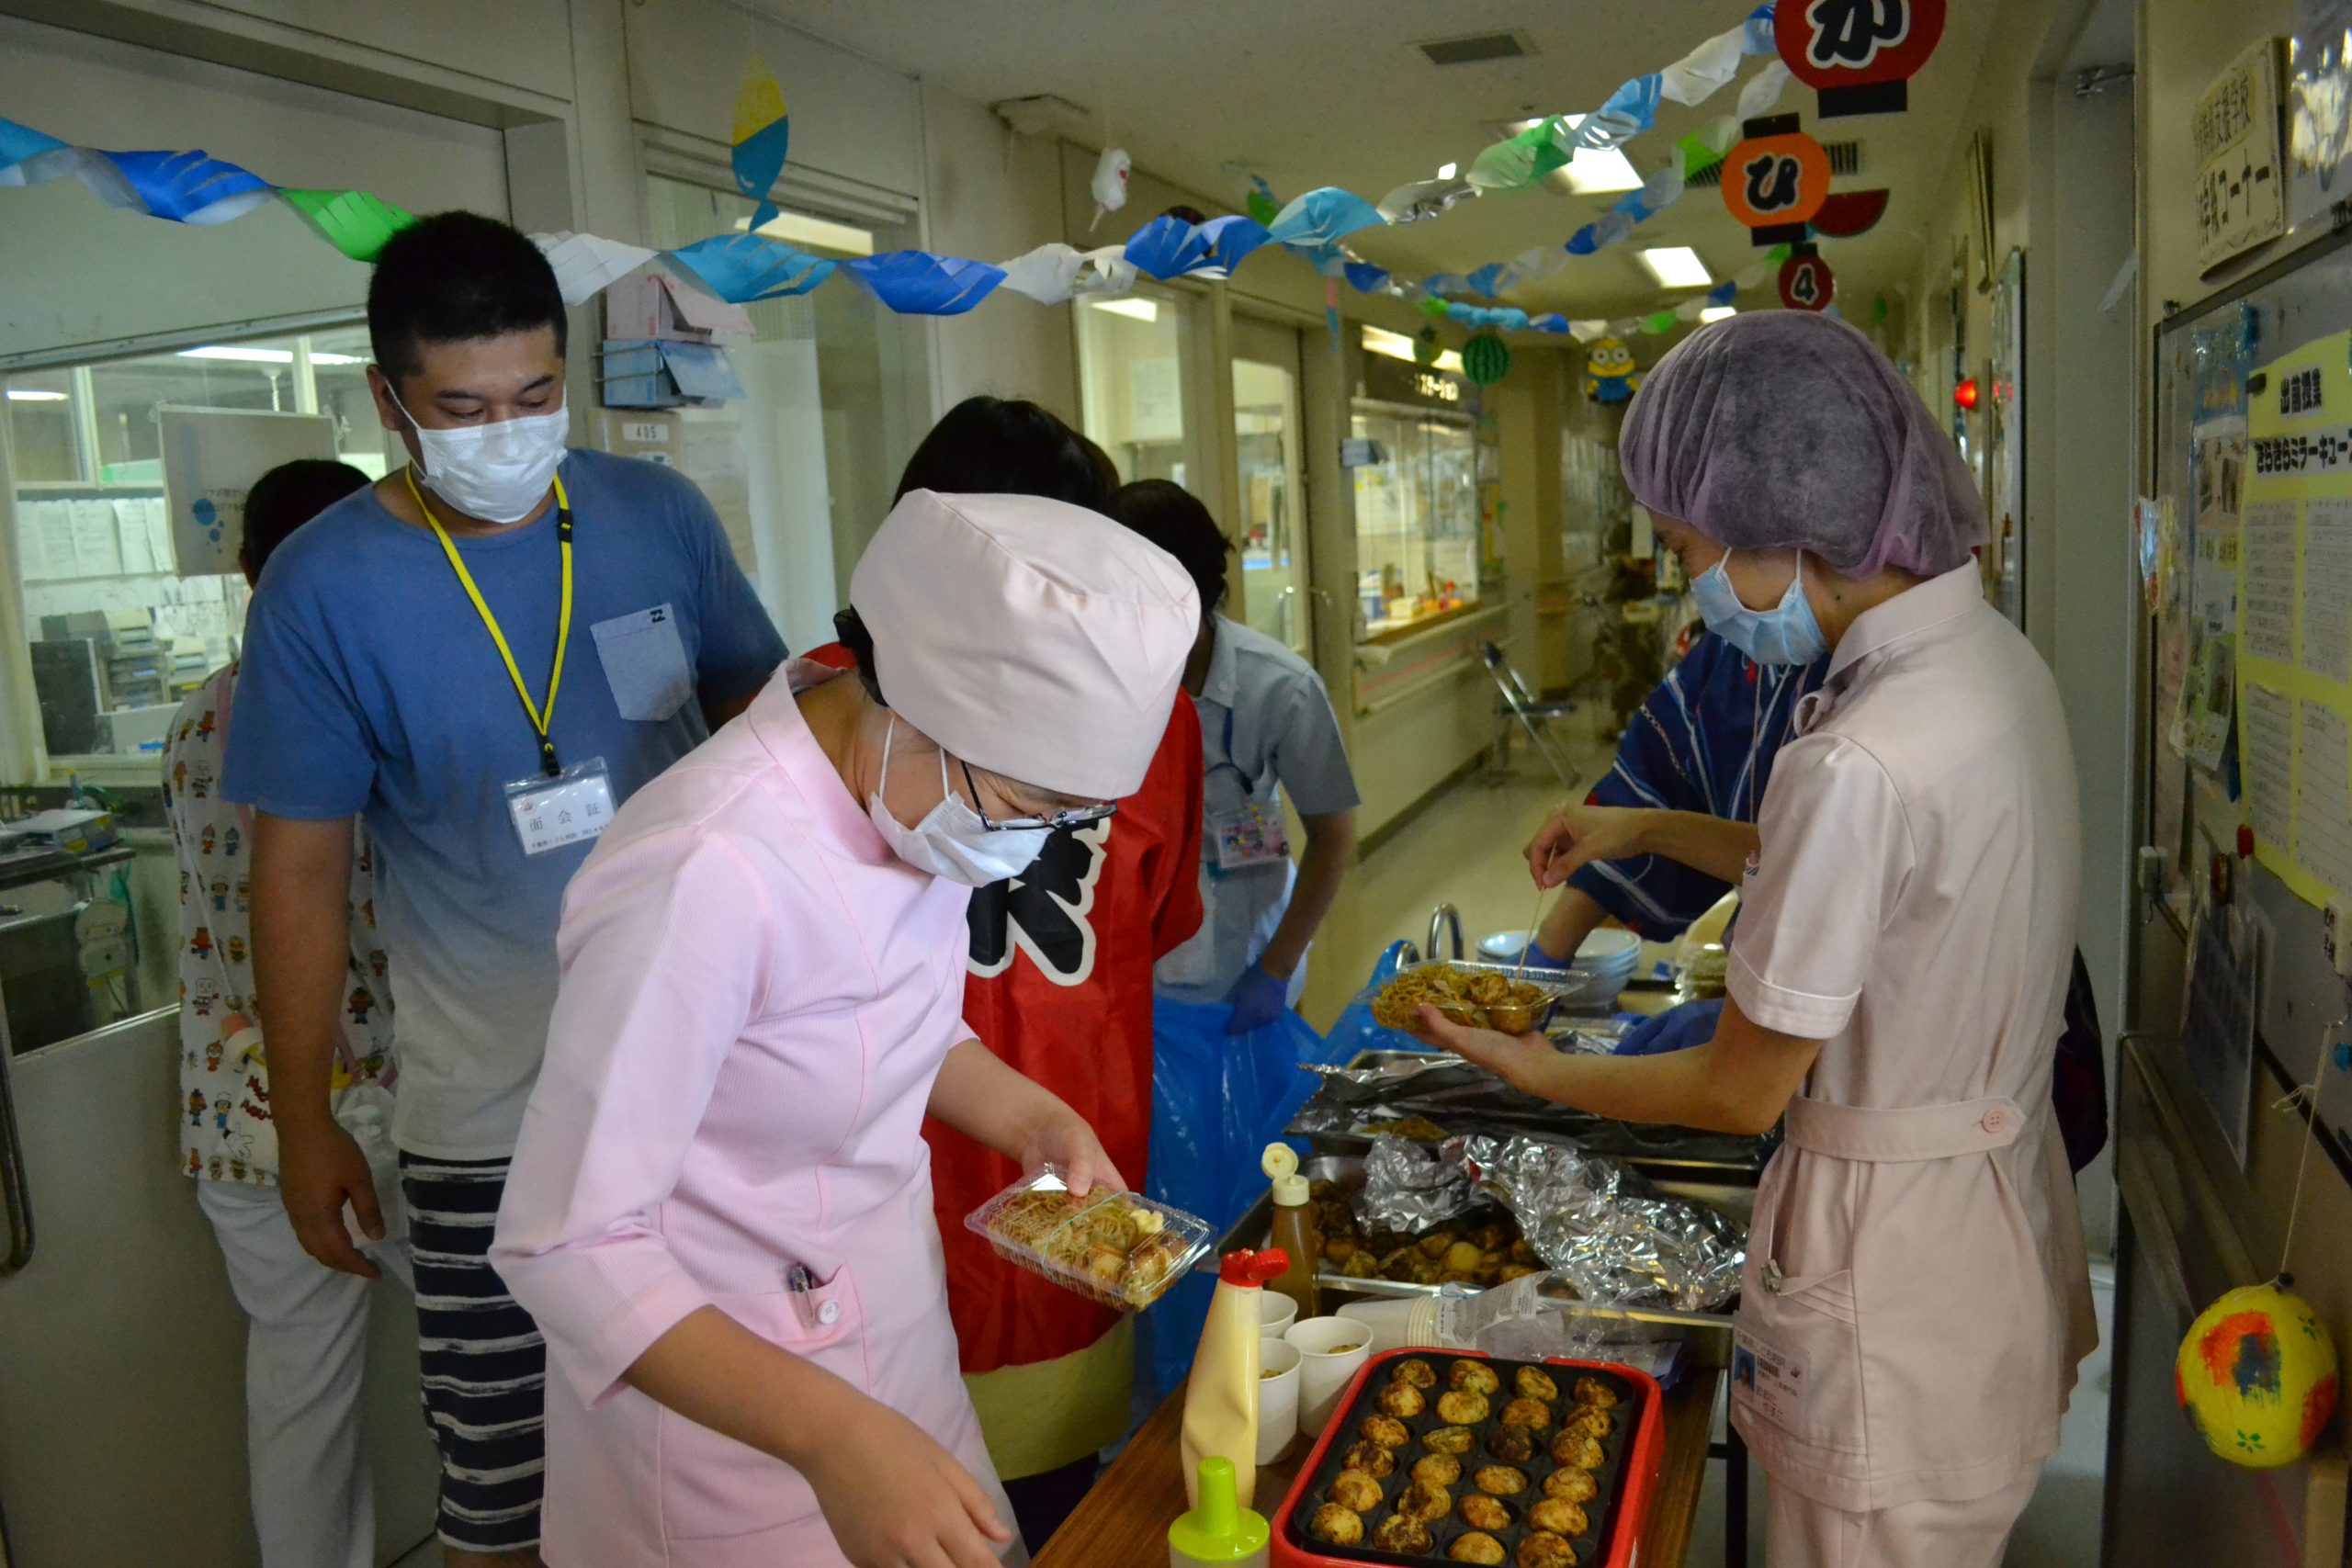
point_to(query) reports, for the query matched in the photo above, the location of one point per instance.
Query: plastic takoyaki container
(1613, 1497)
(1118, 1248)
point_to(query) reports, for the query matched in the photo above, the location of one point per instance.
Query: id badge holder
(1250, 836)
(569, 808)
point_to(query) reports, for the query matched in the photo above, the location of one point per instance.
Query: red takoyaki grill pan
(1614, 1503)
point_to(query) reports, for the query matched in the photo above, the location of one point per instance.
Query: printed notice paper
(2267, 598)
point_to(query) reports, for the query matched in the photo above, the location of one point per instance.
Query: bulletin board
(2246, 555)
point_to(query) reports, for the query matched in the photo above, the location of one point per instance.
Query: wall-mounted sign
(212, 458)
(1400, 381)
(2241, 181)
(1858, 54)
(1775, 179)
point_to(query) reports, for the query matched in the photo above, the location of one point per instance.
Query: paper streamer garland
(763, 135)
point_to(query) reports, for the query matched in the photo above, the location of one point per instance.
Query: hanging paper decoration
(357, 224)
(1775, 179)
(1485, 359)
(1054, 274)
(1658, 322)
(1427, 346)
(2256, 1377)
(1858, 54)
(1260, 204)
(1806, 283)
(1321, 217)
(1846, 213)
(1519, 161)
(740, 268)
(584, 265)
(1608, 374)
(1422, 199)
(918, 283)
(763, 131)
(1698, 155)
(1878, 310)
(1109, 182)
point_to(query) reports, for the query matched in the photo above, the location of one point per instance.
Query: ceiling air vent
(1844, 158)
(1477, 48)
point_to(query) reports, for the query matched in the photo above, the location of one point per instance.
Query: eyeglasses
(1073, 817)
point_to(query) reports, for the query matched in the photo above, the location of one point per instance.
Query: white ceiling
(1333, 92)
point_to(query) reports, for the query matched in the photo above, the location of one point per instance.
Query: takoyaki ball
(1448, 1440)
(1337, 1524)
(1406, 1538)
(1532, 1413)
(1417, 1372)
(1354, 1489)
(1559, 1517)
(1386, 1430)
(1576, 1449)
(1438, 1469)
(1372, 1459)
(1402, 1399)
(1481, 1511)
(1462, 1409)
(1571, 1485)
(1499, 1480)
(1473, 1377)
(1523, 1252)
(1512, 1445)
(1424, 1502)
(1588, 1420)
(1476, 1546)
(1541, 1550)
(1533, 1383)
(1592, 1390)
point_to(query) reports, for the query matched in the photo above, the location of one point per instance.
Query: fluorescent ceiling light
(318, 358)
(1138, 310)
(1591, 171)
(1676, 267)
(1445, 171)
(799, 229)
(34, 395)
(1718, 313)
(1397, 345)
(234, 351)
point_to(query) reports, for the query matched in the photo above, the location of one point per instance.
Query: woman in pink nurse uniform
(720, 1208)
(1916, 1298)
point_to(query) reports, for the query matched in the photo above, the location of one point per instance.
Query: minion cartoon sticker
(1608, 373)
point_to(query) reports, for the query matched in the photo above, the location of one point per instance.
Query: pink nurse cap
(1029, 636)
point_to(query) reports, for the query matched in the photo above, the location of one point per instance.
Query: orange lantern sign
(1775, 179)
(1858, 54)
(1806, 282)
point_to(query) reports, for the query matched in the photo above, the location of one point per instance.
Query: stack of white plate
(1607, 958)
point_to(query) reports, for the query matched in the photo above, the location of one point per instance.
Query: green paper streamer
(1697, 156)
(1262, 206)
(1878, 310)
(1433, 308)
(353, 221)
(1520, 161)
(1659, 321)
(1777, 254)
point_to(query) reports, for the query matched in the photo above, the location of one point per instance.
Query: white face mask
(497, 472)
(950, 840)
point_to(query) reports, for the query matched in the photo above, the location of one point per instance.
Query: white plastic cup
(1277, 1398)
(1324, 1368)
(1276, 1313)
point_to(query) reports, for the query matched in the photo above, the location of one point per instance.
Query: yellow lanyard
(540, 719)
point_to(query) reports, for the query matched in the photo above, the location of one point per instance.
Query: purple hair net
(1786, 428)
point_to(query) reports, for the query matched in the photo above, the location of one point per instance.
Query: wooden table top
(1124, 1521)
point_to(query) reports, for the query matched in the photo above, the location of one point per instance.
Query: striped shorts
(483, 1366)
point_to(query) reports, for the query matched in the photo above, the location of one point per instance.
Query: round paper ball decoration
(1427, 346)
(2256, 1377)
(1485, 359)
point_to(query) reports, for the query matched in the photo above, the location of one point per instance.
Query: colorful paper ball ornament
(1485, 359)
(1427, 346)
(2256, 1377)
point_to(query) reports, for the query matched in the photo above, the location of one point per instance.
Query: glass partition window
(1273, 515)
(1595, 502)
(802, 469)
(115, 633)
(1131, 378)
(1416, 517)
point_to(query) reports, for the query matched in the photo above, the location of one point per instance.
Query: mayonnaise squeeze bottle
(1221, 1399)
(1218, 1529)
(1295, 1230)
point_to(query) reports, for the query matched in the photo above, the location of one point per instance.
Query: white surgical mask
(950, 840)
(497, 472)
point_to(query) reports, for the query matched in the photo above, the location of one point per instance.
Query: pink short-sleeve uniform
(1915, 1297)
(756, 998)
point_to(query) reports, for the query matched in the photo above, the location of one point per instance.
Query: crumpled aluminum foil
(1618, 1239)
(1410, 1187)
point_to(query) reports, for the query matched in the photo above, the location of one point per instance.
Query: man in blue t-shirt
(485, 653)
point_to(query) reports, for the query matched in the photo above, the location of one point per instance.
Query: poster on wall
(2294, 610)
(212, 458)
(2241, 193)
(2319, 133)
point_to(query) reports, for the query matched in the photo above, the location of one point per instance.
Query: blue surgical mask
(1786, 634)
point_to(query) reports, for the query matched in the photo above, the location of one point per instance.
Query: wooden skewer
(1535, 923)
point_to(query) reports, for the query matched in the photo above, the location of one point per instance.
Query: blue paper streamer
(189, 187)
(1364, 276)
(1322, 216)
(740, 268)
(916, 283)
(1486, 278)
(19, 145)
(1170, 247)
